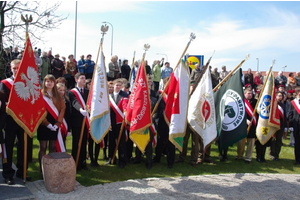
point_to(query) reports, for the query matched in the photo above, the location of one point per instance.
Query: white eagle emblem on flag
(31, 89)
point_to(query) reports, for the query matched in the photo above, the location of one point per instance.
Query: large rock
(59, 172)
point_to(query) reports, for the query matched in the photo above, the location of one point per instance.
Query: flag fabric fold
(138, 112)
(177, 93)
(26, 104)
(230, 111)
(98, 103)
(201, 110)
(269, 120)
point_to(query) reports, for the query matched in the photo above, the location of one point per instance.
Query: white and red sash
(82, 103)
(62, 130)
(154, 141)
(8, 82)
(249, 110)
(117, 110)
(281, 112)
(296, 105)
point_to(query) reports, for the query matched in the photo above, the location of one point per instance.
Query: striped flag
(177, 104)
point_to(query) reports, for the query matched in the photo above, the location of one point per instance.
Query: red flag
(25, 103)
(138, 110)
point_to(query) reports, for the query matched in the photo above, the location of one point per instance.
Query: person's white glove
(55, 127)
(285, 130)
(51, 127)
(291, 129)
(68, 134)
(83, 112)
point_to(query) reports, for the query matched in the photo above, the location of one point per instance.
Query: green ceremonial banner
(230, 111)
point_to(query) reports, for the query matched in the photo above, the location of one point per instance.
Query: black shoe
(9, 181)
(95, 164)
(28, 178)
(170, 166)
(258, 160)
(136, 161)
(148, 166)
(296, 163)
(263, 160)
(247, 161)
(86, 168)
(121, 166)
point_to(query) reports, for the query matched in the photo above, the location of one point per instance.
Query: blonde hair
(61, 85)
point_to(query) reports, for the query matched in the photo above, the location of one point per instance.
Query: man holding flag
(202, 117)
(25, 110)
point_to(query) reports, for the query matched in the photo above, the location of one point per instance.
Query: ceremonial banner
(201, 110)
(230, 111)
(177, 104)
(268, 121)
(138, 113)
(26, 104)
(98, 103)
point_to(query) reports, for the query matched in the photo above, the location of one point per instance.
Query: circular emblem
(232, 110)
(265, 107)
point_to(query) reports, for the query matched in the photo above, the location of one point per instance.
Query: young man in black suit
(118, 105)
(294, 122)
(78, 98)
(12, 130)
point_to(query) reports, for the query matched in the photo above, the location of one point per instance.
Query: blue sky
(266, 30)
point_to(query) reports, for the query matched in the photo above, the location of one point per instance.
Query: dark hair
(126, 85)
(79, 74)
(88, 81)
(291, 74)
(124, 61)
(61, 79)
(278, 92)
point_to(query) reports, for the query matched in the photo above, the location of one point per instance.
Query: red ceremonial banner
(26, 104)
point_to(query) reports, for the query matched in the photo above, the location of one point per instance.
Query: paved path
(224, 186)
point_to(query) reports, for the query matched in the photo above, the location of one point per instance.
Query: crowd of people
(65, 87)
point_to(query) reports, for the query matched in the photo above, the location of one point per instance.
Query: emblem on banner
(232, 110)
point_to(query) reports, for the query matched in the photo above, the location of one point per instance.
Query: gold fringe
(21, 124)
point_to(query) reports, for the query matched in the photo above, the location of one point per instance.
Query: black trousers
(260, 150)
(156, 86)
(163, 142)
(112, 141)
(297, 147)
(13, 131)
(148, 151)
(93, 155)
(75, 141)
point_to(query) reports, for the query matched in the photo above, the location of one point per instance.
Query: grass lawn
(111, 173)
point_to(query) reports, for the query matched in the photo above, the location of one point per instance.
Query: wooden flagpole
(104, 29)
(146, 47)
(229, 75)
(26, 20)
(132, 66)
(254, 111)
(192, 37)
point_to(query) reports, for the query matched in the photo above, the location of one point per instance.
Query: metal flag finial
(192, 36)
(146, 47)
(247, 56)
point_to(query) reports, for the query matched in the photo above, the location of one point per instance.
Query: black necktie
(81, 91)
(299, 101)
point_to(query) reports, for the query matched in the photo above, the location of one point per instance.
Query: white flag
(201, 110)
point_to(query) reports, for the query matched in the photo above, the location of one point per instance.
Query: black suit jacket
(76, 116)
(252, 130)
(283, 121)
(294, 119)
